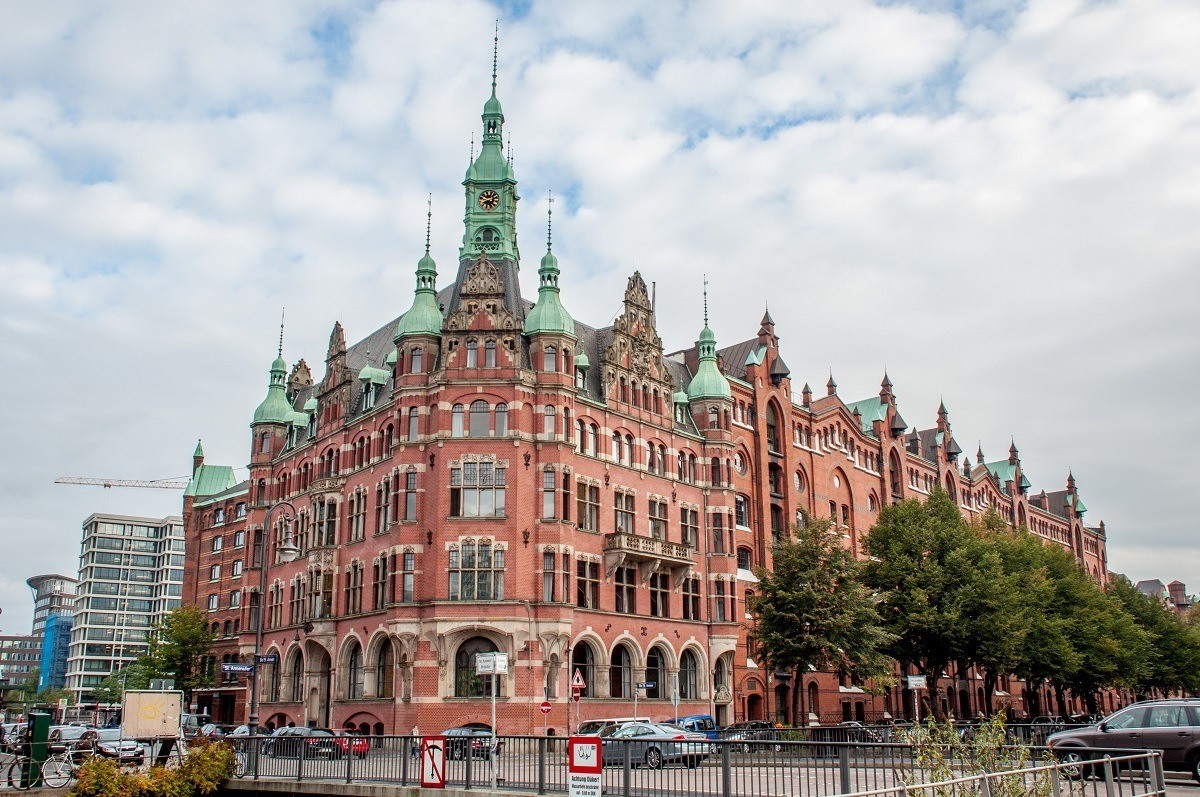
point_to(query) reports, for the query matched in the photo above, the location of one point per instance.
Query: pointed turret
(197, 457)
(275, 407)
(767, 325)
(979, 453)
(1012, 453)
(806, 395)
(548, 315)
(708, 382)
(831, 386)
(424, 317)
(885, 389)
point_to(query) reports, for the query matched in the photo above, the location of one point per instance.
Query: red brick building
(487, 473)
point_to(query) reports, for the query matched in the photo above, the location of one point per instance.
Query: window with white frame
(624, 512)
(477, 490)
(214, 573)
(588, 506)
(476, 572)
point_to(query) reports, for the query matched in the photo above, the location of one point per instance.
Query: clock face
(488, 200)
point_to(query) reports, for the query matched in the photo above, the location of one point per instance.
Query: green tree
(1173, 649)
(812, 611)
(176, 648)
(112, 689)
(930, 570)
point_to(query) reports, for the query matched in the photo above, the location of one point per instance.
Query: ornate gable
(481, 303)
(636, 347)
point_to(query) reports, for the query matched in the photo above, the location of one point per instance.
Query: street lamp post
(288, 552)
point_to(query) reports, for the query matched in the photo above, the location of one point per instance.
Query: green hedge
(204, 769)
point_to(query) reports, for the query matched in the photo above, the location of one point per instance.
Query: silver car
(655, 744)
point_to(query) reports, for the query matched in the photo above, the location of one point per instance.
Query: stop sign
(545, 706)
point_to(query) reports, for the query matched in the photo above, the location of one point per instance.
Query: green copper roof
(869, 410)
(424, 317)
(390, 360)
(275, 407)
(299, 419)
(756, 357)
(376, 376)
(199, 452)
(680, 397)
(548, 315)
(210, 480)
(1006, 472)
(708, 382)
(582, 361)
(311, 405)
(1079, 507)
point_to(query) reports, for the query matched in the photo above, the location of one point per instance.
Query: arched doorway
(754, 707)
(316, 709)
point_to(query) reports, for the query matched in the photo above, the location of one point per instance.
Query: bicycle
(62, 768)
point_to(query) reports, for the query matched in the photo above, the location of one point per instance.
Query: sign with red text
(433, 762)
(585, 761)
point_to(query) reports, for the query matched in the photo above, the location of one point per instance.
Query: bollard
(470, 754)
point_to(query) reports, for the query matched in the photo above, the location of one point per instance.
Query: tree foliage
(813, 611)
(177, 645)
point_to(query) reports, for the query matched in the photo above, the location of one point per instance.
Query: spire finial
(549, 216)
(705, 300)
(472, 160)
(495, 55)
(428, 220)
(282, 312)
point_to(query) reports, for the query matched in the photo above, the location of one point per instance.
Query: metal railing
(725, 768)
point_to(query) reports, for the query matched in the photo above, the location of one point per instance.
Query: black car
(749, 732)
(302, 743)
(476, 736)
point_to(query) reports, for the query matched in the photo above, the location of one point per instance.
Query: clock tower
(490, 224)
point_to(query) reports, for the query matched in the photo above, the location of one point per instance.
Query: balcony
(649, 554)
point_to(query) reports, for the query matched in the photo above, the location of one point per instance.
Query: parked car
(351, 743)
(110, 745)
(655, 744)
(303, 742)
(476, 736)
(63, 736)
(855, 731)
(752, 734)
(699, 723)
(605, 726)
(1172, 726)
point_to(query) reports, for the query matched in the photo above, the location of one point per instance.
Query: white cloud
(998, 203)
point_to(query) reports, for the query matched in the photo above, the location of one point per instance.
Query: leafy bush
(943, 752)
(204, 769)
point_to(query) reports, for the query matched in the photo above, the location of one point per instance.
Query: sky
(995, 201)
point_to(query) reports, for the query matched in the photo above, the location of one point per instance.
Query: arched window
(583, 659)
(480, 418)
(472, 354)
(414, 421)
(354, 673)
(627, 451)
(689, 676)
(272, 682)
(457, 428)
(616, 446)
(772, 429)
(745, 559)
(550, 359)
(416, 362)
(489, 354)
(548, 420)
(579, 432)
(624, 390)
(297, 684)
(466, 682)
(656, 672)
(620, 673)
(501, 420)
(384, 671)
(593, 446)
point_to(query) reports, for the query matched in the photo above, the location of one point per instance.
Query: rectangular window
(658, 519)
(417, 365)
(691, 599)
(414, 420)
(383, 506)
(235, 599)
(719, 615)
(742, 512)
(588, 506)
(587, 584)
(660, 592)
(833, 512)
(626, 594)
(218, 543)
(477, 572)
(477, 490)
(846, 515)
(214, 603)
(549, 576)
(623, 505)
(214, 573)
(548, 486)
(689, 520)
(718, 533)
(410, 495)
(239, 539)
(566, 577)
(237, 568)
(410, 566)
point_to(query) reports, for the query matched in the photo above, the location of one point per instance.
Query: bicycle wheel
(15, 772)
(57, 771)
(241, 763)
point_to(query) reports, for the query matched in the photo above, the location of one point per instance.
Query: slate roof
(733, 358)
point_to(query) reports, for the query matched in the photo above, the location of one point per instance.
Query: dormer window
(581, 378)
(370, 395)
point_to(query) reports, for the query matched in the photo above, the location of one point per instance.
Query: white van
(603, 727)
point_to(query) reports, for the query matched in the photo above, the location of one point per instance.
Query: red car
(348, 743)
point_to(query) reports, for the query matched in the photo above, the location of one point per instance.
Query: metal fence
(728, 768)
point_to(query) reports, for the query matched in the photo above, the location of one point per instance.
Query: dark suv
(1172, 726)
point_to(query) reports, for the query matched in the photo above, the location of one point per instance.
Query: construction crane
(162, 484)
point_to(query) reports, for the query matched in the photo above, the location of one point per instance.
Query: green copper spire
(424, 317)
(490, 223)
(708, 382)
(199, 452)
(275, 407)
(548, 315)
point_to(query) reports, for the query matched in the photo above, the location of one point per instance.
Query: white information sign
(491, 663)
(584, 765)
(916, 682)
(147, 714)
(433, 762)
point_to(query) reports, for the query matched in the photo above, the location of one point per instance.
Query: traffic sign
(577, 681)
(584, 765)
(433, 762)
(576, 693)
(646, 685)
(267, 658)
(545, 707)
